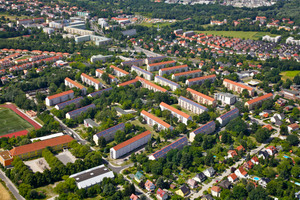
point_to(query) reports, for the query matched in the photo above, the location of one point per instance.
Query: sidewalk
(11, 186)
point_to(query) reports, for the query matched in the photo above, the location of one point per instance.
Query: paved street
(11, 186)
(116, 169)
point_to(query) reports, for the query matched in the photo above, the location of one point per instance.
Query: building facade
(151, 120)
(182, 117)
(119, 72)
(193, 74)
(91, 81)
(112, 79)
(227, 117)
(76, 101)
(173, 70)
(202, 98)
(75, 113)
(206, 129)
(130, 63)
(158, 66)
(109, 133)
(151, 60)
(70, 83)
(257, 102)
(58, 98)
(150, 86)
(147, 75)
(165, 82)
(237, 87)
(200, 80)
(191, 105)
(225, 98)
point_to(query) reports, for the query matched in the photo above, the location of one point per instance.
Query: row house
(5, 63)
(157, 66)
(165, 82)
(173, 70)
(192, 74)
(70, 83)
(206, 129)
(182, 117)
(202, 98)
(151, 60)
(257, 102)
(191, 105)
(200, 80)
(130, 63)
(112, 79)
(237, 87)
(141, 72)
(119, 72)
(18, 62)
(39, 57)
(150, 86)
(91, 81)
(152, 120)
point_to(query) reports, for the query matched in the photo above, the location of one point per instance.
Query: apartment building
(78, 31)
(193, 74)
(75, 113)
(70, 83)
(257, 102)
(109, 133)
(206, 129)
(225, 98)
(58, 98)
(160, 65)
(112, 79)
(173, 70)
(151, 86)
(131, 82)
(188, 34)
(91, 81)
(130, 63)
(152, 120)
(191, 105)
(291, 94)
(165, 82)
(100, 92)
(237, 87)
(227, 117)
(147, 75)
(151, 60)
(182, 117)
(200, 80)
(118, 72)
(75, 101)
(202, 98)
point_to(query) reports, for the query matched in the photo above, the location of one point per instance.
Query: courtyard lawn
(239, 34)
(289, 74)
(48, 190)
(11, 122)
(138, 123)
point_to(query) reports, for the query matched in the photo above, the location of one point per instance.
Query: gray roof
(225, 184)
(91, 122)
(120, 110)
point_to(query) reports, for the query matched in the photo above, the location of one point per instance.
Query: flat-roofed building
(202, 98)
(173, 70)
(151, 60)
(119, 72)
(166, 82)
(158, 66)
(178, 144)
(182, 117)
(35, 149)
(91, 81)
(109, 133)
(130, 63)
(58, 98)
(191, 105)
(291, 94)
(200, 80)
(76, 101)
(46, 137)
(75, 113)
(227, 117)
(112, 79)
(5, 158)
(147, 75)
(100, 92)
(188, 34)
(90, 123)
(70, 83)
(131, 82)
(257, 102)
(206, 129)
(151, 120)
(237, 87)
(225, 98)
(193, 74)
(91, 177)
(150, 86)
(129, 145)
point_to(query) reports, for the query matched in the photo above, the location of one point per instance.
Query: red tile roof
(188, 72)
(162, 63)
(268, 126)
(176, 67)
(175, 110)
(255, 159)
(151, 84)
(74, 83)
(40, 145)
(233, 176)
(240, 148)
(118, 69)
(90, 78)
(259, 98)
(200, 94)
(243, 172)
(135, 138)
(60, 94)
(201, 78)
(238, 84)
(109, 75)
(216, 189)
(294, 126)
(128, 82)
(156, 119)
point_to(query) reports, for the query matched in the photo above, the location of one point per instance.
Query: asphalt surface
(11, 186)
(116, 169)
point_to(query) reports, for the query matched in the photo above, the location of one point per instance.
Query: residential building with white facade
(147, 75)
(91, 81)
(70, 83)
(237, 87)
(75, 113)
(225, 98)
(173, 70)
(158, 66)
(151, 120)
(182, 117)
(111, 77)
(151, 86)
(192, 74)
(191, 105)
(151, 60)
(119, 72)
(200, 80)
(227, 117)
(109, 133)
(166, 82)
(206, 129)
(58, 98)
(202, 98)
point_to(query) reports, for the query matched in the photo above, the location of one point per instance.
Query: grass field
(4, 194)
(11, 122)
(289, 74)
(151, 24)
(238, 34)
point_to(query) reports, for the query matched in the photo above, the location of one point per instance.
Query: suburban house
(293, 127)
(192, 183)
(255, 160)
(134, 197)
(271, 150)
(216, 191)
(248, 165)
(225, 184)
(161, 195)
(183, 191)
(210, 172)
(200, 177)
(231, 153)
(264, 181)
(240, 148)
(263, 154)
(232, 178)
(241, 173)
(149, 185)
(138, 176)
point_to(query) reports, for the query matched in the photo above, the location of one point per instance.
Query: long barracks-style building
(227, 117)
(152, 120)
(58, 98)
(100, 92)
(191, 105)
(76, 101)
(258, 101)
(206, 129)
(202, 98)
(151, 60)
(147, 75)
(182, 117)
(166, 82)
(193, 74)
(75, 113)
(119, 72)
(200, 80)
(151, 86)
(173, 70)
(109, 133)
(91, 81)
(158, 66)
(237, 87)
(71, 84)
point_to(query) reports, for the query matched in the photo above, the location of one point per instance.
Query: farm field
(239, 34)
(289, 74)
(11, 122)
(4, 194)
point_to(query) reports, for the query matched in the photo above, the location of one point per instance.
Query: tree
(239, 192)
(292, 139)
(120, 136)
(262, 134)
(105, 77)
(296, 111)
(227, 107)
(160, 183)
(101, 142)
(245, 116)
(258, 193)
(155, 127)
(186, 160)
(284, 130)
(143, 197)
(25, 141)
(181, 127)
(248, 157)
(245, 93)
(24, 189)
(295, 171)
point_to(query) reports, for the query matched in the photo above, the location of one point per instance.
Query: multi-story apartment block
(192, 74)
(257, 102)
(131, 82)
(237, 87)
(75, 113)
(152, 120)
(200, 80)
(111, 77)
(230, 115)
(191, 105)
(157, 66)
(225, 98)
(109, 133)
(151, 60)
(206, 129)
(165, 82)
(151, 86)
(173, 70)
(119, 72)
(182, 117)
(71, 84)
(58, 98)
(91, 81)
(147, 75)
(130, 63)
(202, 98)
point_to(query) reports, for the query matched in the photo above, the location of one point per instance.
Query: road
(11, 186)
(116, 169)
(148, 53)
(228, 172)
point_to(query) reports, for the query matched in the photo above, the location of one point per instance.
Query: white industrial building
(227, 117)
(58, 98)
(109, 133)
(91, 81)
(129, 145)
(147, 75)
(200, 80)
(191, 105)
(206, 129)
(173, 70)
(225, 98)
(48, 30)
(158, 66)
(70, 83)
(47, 137)
(165, 82)
(91, 177)
(130, 63)
(152, 120)
(291, 40)
(182, 117)
(193, 74)
(119, 72)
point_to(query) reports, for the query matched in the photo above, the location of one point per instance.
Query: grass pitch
(289, 75)
(11, 122)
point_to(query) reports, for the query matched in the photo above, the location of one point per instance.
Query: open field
(289, 74)
(4, 194)
(239, 34)
(155, 24)
(11, 122)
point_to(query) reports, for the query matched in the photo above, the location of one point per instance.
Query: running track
(14, 108)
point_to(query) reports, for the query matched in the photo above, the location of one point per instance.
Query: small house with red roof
(231, 153)
(240, 148)
(248, 165)
(149, 185)
(134, 197)
(255, 160)
(271, 150)
(161, 195)
(215, 191)
(232, 178)
(241, 173)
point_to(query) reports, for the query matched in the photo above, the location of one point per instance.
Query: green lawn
(289, 74)
(138, 123)
(11, 122)
(156, 24)
(48, 190)
(239, 34)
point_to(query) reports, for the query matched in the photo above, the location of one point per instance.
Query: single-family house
(225, 184)
(263, 154)
(200, 177)
(161, 194)
(207, 197)
(231, 153)
(240, 148)
(271, 150)
(210, 172)
(183, 191)
(216, 191)
(264, 181)
(138, 176)
(149, 185)
(241, 173)
(248, 165)
(232, 178)
(255, 160)
(192, 183)
(293, 127)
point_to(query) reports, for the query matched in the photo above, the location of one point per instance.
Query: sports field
(238, 34)
(289, 74)
(11, 122)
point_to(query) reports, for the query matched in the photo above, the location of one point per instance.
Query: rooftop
(151, 84)
(259, 98)
(130, 141)
(156, 119)
(193, 103)
(83, 109)
(5, 155)
(167, 148)
(202, 78)
(162, 63)
(74, 83)
(60, 94)
(128, 82)
(188, 72)
(118, 69)
(176, 67)
(200, 94)
(109, 130)
(175, 110)
(238, 84)
(90, 78)
(77, 100)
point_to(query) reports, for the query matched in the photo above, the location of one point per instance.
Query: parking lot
(65, 157)
(37, 165)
